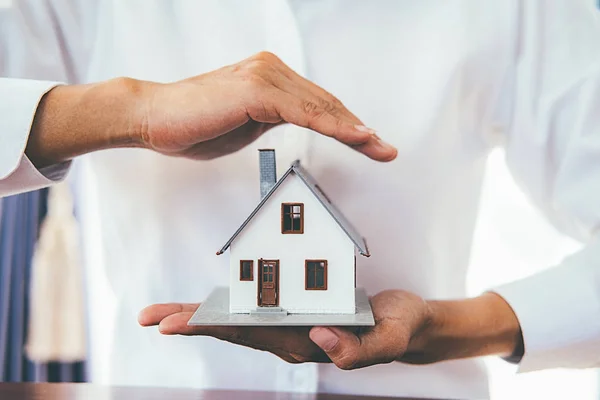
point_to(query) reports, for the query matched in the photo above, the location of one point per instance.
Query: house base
(215, 311)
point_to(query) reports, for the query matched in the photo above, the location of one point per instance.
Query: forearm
(202, 117)
(482, 326)
(79, 119)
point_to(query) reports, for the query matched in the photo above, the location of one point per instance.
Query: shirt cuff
(18, 105)
(27, 177)
(558, 312)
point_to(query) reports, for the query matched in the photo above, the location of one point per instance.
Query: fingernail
(384, 145)
(163, 330)
(325, 338)
(362, 128)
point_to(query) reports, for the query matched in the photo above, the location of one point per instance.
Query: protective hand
(222, 111)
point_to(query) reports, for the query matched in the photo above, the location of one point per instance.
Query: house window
(246, 270)
(292, 218)
(316, 274)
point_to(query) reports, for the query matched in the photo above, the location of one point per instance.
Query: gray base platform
(215, 311)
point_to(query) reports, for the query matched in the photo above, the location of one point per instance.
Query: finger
(152, 315)
(291, 344)
(276, 105)
(374, 148)
(177, 324)
(377, 149)
(299, 81)
(310, 115)
(290, 81)
(349, 351)
(263, 339)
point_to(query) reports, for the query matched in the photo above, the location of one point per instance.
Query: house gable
(320, 231)
(297, 172)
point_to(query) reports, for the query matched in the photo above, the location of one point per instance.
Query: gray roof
(309, 181)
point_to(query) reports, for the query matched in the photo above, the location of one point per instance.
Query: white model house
(296, 252)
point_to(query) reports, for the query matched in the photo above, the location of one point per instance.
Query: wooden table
(82, 391)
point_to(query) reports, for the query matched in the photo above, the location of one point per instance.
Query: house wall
(322, 239)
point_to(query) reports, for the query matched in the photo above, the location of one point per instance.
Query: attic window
(316, 274)
(292, 218)
(246, 270)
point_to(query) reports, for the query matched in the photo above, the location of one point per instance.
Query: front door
(268, 289)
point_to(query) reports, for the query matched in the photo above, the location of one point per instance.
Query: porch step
(269, 310)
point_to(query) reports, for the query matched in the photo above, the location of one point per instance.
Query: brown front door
(268, 289)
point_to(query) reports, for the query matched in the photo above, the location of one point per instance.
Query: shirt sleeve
(553, 151)
(18, 104)
(42, 43)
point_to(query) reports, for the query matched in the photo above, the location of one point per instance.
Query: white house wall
(322, 239)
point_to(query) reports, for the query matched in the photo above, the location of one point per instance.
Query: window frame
(325, 275)
(242, 279)
(292, 232)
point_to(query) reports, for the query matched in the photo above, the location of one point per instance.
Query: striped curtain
(20, 218)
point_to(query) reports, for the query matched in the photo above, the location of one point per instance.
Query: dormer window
(292, 218)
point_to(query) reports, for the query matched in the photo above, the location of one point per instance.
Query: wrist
(481, 326)
(124, 100)
(120, 107)
(79, 119)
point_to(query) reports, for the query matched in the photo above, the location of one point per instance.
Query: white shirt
(445, 82)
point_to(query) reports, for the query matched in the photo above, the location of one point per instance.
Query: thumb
(342, 347)
(349, 351)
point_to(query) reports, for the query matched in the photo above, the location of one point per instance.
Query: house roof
(311, 183)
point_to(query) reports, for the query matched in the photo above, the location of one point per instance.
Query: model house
(296, 252)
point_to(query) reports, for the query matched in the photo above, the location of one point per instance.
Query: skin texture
(203, 117)
(407, 329)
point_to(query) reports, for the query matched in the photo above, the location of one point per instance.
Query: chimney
(268, 172)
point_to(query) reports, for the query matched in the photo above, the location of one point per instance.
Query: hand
(203, 117)
(222, 111)
(407, 329)
(401, 318)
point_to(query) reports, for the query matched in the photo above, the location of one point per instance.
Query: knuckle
(265, 56)
(254, 83)
(257, 73)
(255, 67)
(328, 106)
(339, 125)
(312, 109)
